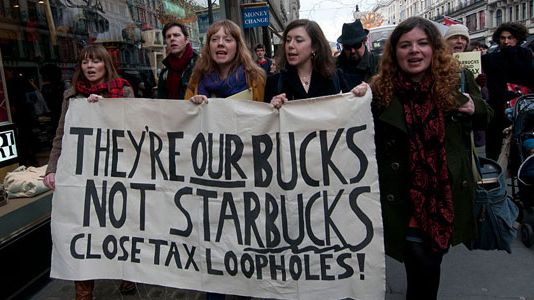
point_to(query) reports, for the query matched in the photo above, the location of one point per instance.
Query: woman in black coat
(307, 67)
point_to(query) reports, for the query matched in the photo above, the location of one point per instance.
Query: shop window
(471, 22)
(2, 9)
(510, 13)
(27, 45)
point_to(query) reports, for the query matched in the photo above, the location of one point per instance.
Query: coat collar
(394, 115)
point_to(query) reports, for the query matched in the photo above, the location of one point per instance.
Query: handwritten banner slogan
(233, 197)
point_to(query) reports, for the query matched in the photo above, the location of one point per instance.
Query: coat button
(390, 197)
(395, 166)
(465, 183)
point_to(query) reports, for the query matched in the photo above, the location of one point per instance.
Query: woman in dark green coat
(423, 127)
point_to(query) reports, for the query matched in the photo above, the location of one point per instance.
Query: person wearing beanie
(457, 38)
(510, 63)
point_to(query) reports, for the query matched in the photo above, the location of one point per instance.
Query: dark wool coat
(355, 73)
(288, 82)
(392, 158)
(163, 93)
(507, 65)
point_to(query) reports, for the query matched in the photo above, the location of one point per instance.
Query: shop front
(39, 45)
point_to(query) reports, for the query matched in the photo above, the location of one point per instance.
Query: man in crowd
(264, 62)
(510, 63)
(356, 61)
(178, 64)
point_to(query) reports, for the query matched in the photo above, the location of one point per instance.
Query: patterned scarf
(110, 89)
(176, 68)
(430, 189)
(211, 85)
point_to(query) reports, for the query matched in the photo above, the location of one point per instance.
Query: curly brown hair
(517, 30)
(205, 64)
(444, 68)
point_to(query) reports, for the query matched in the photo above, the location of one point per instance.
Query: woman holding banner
(225, 68)
(307, 66)
(423, 150)
(95, 77)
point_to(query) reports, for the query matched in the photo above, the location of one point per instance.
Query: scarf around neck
(211, 85)
(430, 189)
(111, 89)
(176, 66)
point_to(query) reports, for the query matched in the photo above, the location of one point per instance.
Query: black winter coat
(288, 82)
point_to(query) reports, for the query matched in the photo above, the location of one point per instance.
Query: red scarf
(176, 67)
(430, 189)
(111, 89)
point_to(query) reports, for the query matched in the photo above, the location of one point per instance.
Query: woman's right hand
(50, 181)
(199, 99)
(279, 100)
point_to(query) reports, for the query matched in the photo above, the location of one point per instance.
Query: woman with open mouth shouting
(95, 77)
(225, 68)
(307, 66)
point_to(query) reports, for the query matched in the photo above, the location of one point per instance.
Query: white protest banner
(470, 60)
(233, 197)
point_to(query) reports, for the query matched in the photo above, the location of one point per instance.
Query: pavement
(466, 275)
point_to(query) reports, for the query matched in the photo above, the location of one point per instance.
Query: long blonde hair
(205, 63)
(444, 68)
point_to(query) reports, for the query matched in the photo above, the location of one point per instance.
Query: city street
(466, 275)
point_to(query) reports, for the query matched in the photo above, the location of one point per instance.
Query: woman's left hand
(93, 98)
(468, 107)
(199, 99)
(360, 89)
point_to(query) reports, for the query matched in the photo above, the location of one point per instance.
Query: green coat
(392, 158)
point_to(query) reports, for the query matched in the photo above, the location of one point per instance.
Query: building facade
(481, 17)
(40, 41)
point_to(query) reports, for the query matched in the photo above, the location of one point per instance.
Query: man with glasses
(356, 61)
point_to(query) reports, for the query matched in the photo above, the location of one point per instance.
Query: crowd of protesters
(424, 105)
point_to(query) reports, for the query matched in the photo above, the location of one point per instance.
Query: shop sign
(171, 8)
(8, 147)
(255, 16)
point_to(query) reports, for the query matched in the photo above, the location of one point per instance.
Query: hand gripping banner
(233, 197)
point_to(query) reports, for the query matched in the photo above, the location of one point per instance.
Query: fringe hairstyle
(205, 64)
(94, 52)
(323, 62)
(444, 69)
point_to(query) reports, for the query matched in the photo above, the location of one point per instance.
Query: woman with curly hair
(423, 150)
(225, 67)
